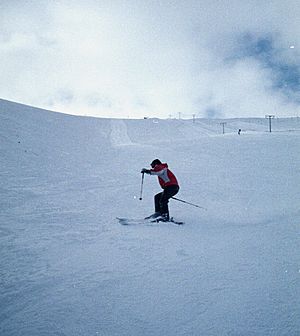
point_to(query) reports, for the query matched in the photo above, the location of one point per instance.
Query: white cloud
(127, 58)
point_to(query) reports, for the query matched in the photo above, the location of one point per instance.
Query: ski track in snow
(69, 268)
(119, 135)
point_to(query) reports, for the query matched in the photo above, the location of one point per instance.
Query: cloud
(128, 58)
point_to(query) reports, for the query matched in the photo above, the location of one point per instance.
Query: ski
(137, 221)
(171, 220)
(132, 221)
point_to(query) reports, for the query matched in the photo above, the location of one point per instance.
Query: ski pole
(195, 205)
(142, 183)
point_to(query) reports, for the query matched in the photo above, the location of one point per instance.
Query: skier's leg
(164, 200)
(157, 203)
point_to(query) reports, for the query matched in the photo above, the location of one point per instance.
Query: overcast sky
(136, 58)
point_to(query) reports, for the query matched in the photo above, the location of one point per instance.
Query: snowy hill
(69, 268)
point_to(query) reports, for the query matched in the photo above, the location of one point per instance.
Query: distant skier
(169, 184)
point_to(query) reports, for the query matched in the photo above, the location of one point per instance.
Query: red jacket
(164, 174)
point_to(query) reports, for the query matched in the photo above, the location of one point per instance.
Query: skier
(169, 184)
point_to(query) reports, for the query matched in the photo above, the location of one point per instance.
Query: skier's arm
(158, 173)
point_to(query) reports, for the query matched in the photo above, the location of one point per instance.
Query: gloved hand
(146, 171)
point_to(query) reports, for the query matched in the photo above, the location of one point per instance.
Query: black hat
(155, 162)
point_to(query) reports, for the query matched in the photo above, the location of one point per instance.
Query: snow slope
(69, 268)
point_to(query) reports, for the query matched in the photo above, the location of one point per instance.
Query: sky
(142, 58)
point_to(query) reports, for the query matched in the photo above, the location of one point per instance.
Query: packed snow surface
(69, 268)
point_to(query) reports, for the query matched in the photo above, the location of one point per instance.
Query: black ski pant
(161, 199)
